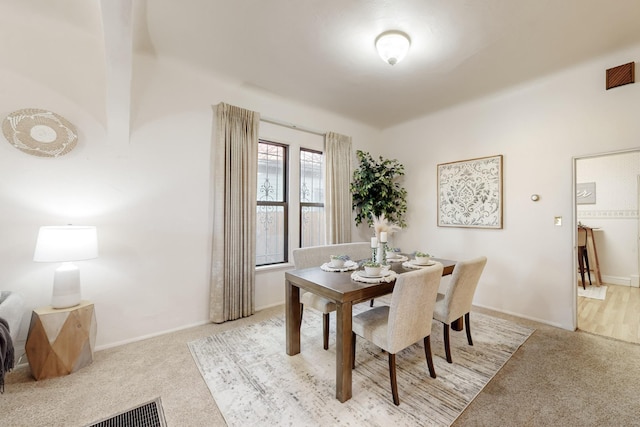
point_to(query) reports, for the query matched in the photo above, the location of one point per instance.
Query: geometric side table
(61, 341)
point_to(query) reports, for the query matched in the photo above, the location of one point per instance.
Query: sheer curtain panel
(338, 173)
(235, 160)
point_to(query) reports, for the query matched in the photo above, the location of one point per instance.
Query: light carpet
(595, 292)
(254, 381)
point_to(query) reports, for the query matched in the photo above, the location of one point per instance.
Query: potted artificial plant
(376, 192)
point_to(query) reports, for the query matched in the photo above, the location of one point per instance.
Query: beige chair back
(462, 287)
(411, 310)
(315, 256)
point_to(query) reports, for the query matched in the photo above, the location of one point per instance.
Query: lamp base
(66, 286)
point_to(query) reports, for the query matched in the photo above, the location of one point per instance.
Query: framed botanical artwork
(470, 193)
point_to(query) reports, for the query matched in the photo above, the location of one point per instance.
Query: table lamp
(66, 244)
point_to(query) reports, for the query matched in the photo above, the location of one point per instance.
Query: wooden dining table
(338, 287)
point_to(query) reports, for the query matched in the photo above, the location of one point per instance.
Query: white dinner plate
(414, 262)
(364, 274)
(347, 264)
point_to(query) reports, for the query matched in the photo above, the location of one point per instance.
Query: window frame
(302, 204)
(284, 204)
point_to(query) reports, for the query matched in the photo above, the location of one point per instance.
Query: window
(312, 222)
(280, 191)
(272, 210)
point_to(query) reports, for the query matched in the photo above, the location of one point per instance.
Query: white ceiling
(321, 52)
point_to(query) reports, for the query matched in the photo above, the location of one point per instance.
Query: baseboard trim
(535, 319)
(616, 280)
(265, 307)
(156, 334)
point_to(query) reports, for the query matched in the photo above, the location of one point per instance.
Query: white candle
(374, 242)
(383, 237)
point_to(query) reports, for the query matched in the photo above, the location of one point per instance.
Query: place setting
(374, 272)
(394, 255)
(420, 260)
(339, 264)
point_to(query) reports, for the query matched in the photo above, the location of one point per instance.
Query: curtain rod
(292, 126)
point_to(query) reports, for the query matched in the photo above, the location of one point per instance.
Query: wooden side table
(61, 341)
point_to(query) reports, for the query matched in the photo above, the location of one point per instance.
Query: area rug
(595, 292)
(254, 381)
(148, 414)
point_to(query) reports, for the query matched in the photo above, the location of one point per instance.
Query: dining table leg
(292, 318)
(343, 351)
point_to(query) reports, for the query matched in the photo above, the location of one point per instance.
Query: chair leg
(427, 353)
(392, 376)
(353, 350)
(467, 325)
(325, 330)
(586, 261)
(371, 303)
(447, 348)
(581, 265)
(301, 311)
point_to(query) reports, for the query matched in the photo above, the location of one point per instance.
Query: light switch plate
(557, 221)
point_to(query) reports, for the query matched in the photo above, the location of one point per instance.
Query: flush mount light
(392, 46)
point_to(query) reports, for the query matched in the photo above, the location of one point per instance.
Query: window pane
(271, 172)
(312, 220)
(311, 182)
(312, 226)
(270, 235)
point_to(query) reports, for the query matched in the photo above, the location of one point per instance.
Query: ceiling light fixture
(392, 46)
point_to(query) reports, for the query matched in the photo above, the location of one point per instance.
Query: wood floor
(618, 316)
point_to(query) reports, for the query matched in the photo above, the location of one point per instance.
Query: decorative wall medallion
(39, 132)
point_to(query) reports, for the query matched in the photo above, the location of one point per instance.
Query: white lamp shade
(66, 243)
(393, 46)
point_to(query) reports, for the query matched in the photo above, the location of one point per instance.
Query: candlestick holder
(374, 257)
(383, 255)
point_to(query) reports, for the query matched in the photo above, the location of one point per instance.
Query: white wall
(538, 127)
(614, 215)
(150, 198)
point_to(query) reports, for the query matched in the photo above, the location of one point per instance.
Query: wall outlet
(557, 220)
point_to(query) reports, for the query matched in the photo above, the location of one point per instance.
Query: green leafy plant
(422, 254)
(371, 264)
(376, 191)
(341, 257)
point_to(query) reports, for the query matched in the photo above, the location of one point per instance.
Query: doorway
(607, 201)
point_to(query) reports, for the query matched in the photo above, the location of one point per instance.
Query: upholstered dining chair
(456, 301)
(315, 256)
(406, 321)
